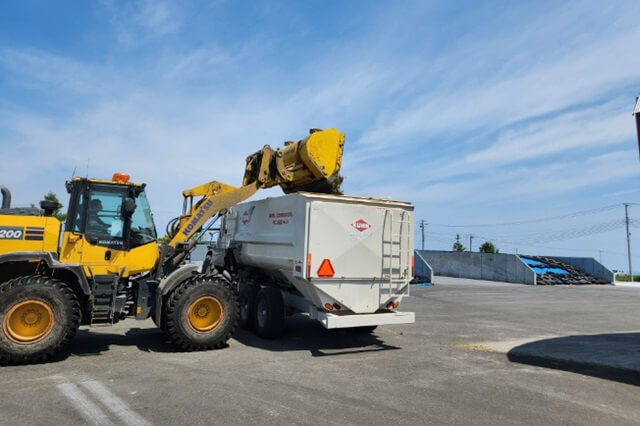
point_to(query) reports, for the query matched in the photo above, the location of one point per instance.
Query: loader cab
(109, 227)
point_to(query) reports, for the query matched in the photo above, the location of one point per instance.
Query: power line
(535, 236)
(538, 220)
(568, 234)
(547, 236)
(533, 246)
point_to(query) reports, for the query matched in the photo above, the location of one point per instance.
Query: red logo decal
(246, 216)
(361, 225)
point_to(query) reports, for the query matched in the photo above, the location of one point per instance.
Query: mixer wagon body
(345, 261)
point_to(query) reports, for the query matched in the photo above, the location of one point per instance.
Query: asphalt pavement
(479, 353)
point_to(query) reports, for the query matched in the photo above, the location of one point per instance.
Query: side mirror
(128, 207)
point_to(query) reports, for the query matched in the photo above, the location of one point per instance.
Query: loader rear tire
(247, 301)
(201, 313)
(38, 316)
(270, 314)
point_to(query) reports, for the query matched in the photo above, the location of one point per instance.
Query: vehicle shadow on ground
(88, 342)
(607, 356)
(302, 333)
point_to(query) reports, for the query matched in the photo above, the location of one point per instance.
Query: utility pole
(471, 242)
(600, 256)
(626, 221)
(636, 113)
(422, 225)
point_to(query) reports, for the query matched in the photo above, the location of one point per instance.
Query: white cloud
(49, 74)
(588, 74)
(140, 21)
(156, 16)
(595, 127)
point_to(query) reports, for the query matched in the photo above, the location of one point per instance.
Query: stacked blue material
(558, 271)
(550, 271)
(542, 268)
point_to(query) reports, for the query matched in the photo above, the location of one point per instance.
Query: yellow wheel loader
(105, 264)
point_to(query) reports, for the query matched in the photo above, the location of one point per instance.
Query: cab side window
(77, 222)
(143, 231)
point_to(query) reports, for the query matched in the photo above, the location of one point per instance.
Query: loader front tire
(38, 316)
(201, 313)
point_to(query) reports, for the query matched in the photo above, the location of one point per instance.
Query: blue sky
(477, 112)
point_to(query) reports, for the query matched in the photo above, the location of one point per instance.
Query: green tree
(50, 196)
(488, 247)
(458, 246)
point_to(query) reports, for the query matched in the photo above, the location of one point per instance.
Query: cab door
(95, 228)
(104, 247)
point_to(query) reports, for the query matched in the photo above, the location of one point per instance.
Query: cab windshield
(143, 230)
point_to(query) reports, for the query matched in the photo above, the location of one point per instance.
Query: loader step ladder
(104, 293)
(396, 251)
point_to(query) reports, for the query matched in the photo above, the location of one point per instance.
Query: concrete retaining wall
(480, 266)
(423, 272)
(587, 265)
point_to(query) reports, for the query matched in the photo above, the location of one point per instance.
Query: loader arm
(310, 164)
(216, 196)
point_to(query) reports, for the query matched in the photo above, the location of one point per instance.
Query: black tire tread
(170, 327)
(276, 318)
(251, 291)
(71, 299)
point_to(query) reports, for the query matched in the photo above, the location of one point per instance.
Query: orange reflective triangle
(326, 269)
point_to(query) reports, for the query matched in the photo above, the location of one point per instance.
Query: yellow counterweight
(28, 233)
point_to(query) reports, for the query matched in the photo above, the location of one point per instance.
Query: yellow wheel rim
(28, 321)
(205, 313)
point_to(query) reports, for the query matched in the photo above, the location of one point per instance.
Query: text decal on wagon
(11, 232)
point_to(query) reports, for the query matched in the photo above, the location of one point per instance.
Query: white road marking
(87, 409)
(116, 405)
